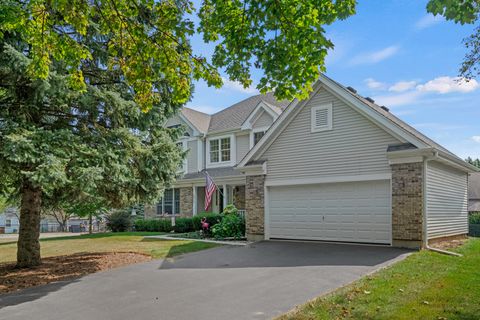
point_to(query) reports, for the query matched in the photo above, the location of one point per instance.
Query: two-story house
(335, 167)
(215, 144)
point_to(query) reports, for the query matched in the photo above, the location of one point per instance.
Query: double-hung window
(170, 203)
(220, 150)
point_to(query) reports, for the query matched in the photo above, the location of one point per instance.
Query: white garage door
(347, 211)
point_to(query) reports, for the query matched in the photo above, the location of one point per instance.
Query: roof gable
(375, 113)
(234, 116)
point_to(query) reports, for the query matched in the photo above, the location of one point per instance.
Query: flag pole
(216, 185)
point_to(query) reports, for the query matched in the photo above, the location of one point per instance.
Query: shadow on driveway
(271, 254)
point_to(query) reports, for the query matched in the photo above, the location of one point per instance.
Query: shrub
(182, 224)
(474, 218)
(230, 209)
(119, 220)
(231, 226)
(153, 225)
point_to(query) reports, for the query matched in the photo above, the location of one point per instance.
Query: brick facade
(186, 201)
(239, 197)
(254, 205)
(150, 211)
(407, 204)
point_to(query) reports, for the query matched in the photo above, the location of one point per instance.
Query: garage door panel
(353, 211)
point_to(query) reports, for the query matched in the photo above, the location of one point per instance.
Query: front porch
(190, 200)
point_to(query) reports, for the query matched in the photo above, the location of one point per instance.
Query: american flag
(210, 188)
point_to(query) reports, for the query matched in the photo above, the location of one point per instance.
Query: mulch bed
(449, 244)
(64, 268)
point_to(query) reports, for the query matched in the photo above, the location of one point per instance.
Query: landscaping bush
(474, 224)
(119, 221)
(474, 218)
(153, 225)
(231, 226)
(230, 209)
(182, 224)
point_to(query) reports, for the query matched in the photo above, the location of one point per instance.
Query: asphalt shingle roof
(233, 116)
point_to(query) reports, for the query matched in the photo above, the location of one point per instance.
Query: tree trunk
(90, 223)
(28, 246)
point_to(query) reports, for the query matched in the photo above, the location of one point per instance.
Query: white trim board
(328, 179)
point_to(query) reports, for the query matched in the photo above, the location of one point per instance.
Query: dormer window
(257, 136)
(321, 117)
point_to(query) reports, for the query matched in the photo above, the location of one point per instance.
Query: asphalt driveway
(258, 281)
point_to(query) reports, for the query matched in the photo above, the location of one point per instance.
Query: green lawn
(107, 242)
(426, 285)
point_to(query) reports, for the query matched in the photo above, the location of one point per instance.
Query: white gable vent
(322, 117)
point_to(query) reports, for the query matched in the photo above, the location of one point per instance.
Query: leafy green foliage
(182, 224)
(284, 38)
(119, 221)
(465, 11)
(230, 209)
(231, 226)
(474, 218)
(148, 42)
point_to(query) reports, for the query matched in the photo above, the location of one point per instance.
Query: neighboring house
(9, 221)
(334, 167)
(474, 192)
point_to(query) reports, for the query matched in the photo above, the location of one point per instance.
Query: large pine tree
(60, 143)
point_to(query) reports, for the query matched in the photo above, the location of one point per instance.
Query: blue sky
(404, 58)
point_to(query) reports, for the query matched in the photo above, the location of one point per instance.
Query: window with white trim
(220, 150)
(8, 223)
(257, 136)
(322, 118)
(170, 202)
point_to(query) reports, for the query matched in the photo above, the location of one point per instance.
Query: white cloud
(237, 86)
(398, 99)
(374, 84)
(402, 86)
(448, 84)
(376, 56)
(428, 20)
(410, 92)
(476, 139)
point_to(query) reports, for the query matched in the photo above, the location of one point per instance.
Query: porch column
(255, 207)
(195, 203)
(225, 196)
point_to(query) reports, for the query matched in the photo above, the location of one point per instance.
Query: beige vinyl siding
(354, 146)
(265, 120)
(175, 120)
(447, 199)
(192, 157)
(243, 145)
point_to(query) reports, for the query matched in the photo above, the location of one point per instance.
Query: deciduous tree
(76, 75)
(463, 12)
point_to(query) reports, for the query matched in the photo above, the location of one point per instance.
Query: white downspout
(425, 211)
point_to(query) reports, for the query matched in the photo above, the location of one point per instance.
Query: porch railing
(241, 213)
